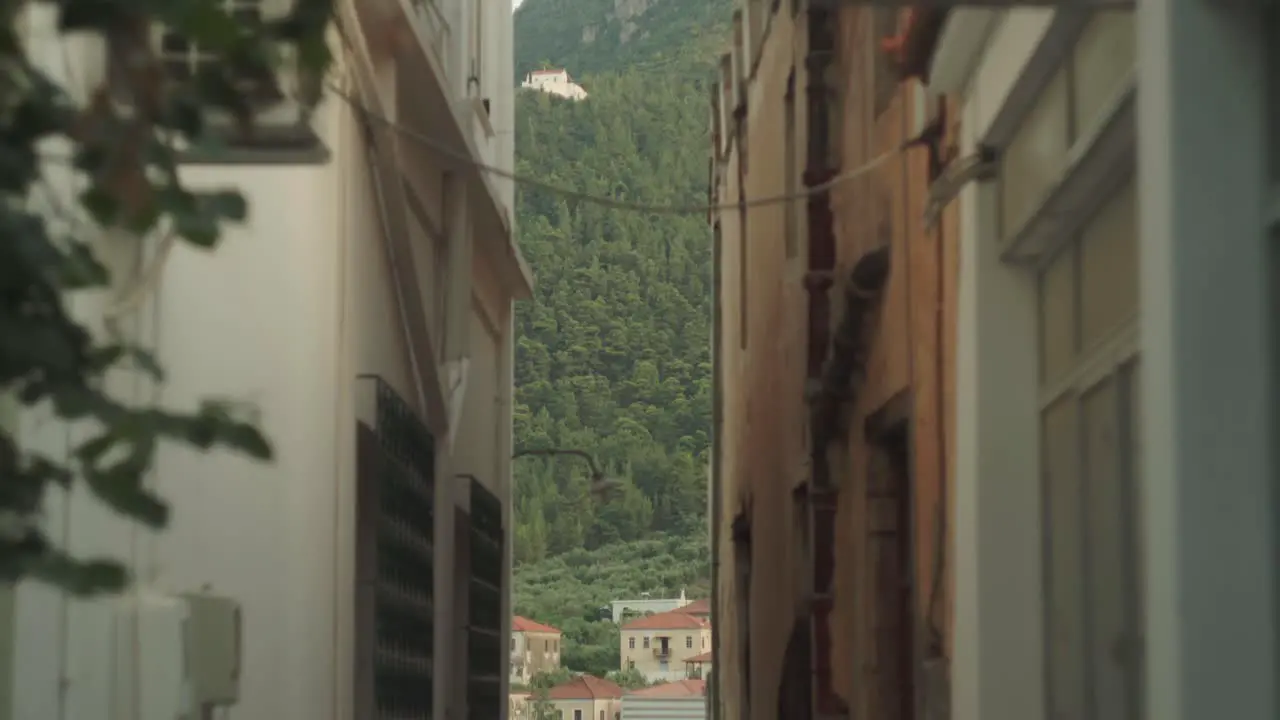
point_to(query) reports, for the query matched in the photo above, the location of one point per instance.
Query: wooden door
(890, 667)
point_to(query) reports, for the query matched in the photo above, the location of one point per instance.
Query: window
(791, 209)
(688, 642)
(631, 643)
(281, 130)
(646, 643)
(546, 645)
(1089, 371)
(631, 664)
(577, 715)
(1069, 109)
(704, 642)
(601, 715)
(513, 643)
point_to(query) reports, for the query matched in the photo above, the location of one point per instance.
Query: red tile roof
(703, 658)
(697, 607)
(677, 689)
(520, 624)
(585, 687)
(673, 620)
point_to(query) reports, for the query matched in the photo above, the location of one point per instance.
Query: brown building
(835, 322)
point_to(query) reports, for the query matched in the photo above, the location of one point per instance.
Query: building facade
(835, 319)
(646, 604)
(555, 82)
(365, 311)
(535, 648)
(1102, 196)
(585, 697)
(1130, 154)
(658, 646)
(679, 700)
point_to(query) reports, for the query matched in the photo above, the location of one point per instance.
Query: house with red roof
(587, 697)
(701, 608)
(535, 648)
(659, 645)
(698, 666)
(678, 700)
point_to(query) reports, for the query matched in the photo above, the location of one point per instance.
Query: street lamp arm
(596, 473)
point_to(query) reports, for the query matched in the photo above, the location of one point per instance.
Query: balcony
(662, 652)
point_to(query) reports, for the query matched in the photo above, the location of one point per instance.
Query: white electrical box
(175, 657)
(213, 649)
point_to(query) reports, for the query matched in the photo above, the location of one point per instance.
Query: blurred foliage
(81, 165)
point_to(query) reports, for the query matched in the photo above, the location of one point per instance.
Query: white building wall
(998, 665)
(656, 605)
(645, 708)
(285, 314)
(1207, 168)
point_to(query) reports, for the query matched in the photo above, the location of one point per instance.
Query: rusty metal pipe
(822, 255)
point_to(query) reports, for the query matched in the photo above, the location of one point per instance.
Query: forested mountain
(613, 354)
(597, 36)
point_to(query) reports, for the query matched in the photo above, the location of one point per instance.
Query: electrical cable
(448, 150)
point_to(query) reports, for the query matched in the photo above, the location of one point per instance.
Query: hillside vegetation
(576, 588)
(613, 354)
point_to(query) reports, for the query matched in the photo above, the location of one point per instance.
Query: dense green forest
(613, 355)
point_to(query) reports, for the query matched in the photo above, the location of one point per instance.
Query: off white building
(646, 604)
(1115, 487)
(586, 697)
(679, 700)
(556, 82)
(658, 646)
(365, 309)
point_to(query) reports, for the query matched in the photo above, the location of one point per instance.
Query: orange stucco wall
(764, 448)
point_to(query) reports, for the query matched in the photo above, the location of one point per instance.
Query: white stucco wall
(998, 663)
(285, 314)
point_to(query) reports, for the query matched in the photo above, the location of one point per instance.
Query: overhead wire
(448, 150)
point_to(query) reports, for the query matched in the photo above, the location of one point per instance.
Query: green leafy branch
(122, 141)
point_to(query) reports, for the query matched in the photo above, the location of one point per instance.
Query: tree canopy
(613, 354)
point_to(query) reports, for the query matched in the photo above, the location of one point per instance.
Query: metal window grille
(488, 572)
(395, 594)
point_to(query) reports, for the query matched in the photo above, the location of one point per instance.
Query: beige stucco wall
(590, 709)
(539, 652)
(650, 664)
(765, 339)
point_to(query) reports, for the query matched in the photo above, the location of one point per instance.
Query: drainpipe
(822, 254)
(717, 434)
(8, 603)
